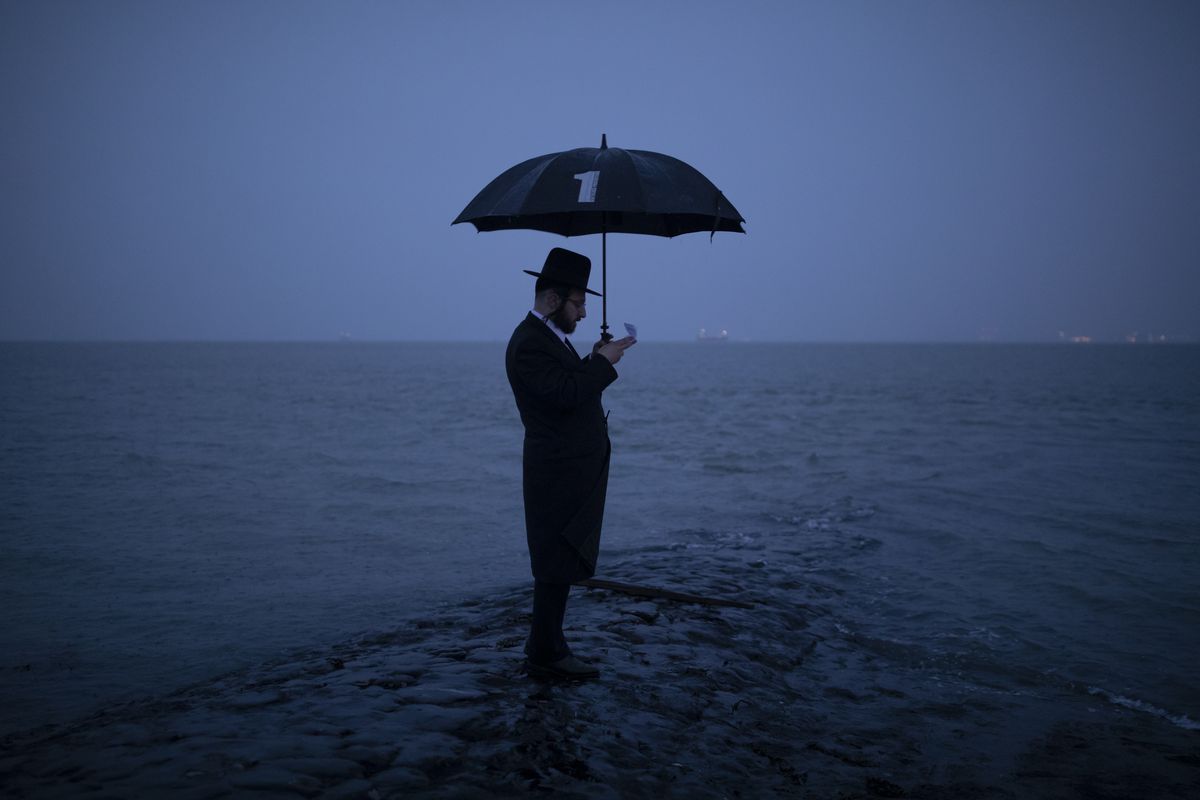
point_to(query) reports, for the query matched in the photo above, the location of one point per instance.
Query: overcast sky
(908, 171)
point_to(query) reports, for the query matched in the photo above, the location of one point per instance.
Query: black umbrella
(602, 190)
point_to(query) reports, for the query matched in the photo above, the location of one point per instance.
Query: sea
(1025, 517)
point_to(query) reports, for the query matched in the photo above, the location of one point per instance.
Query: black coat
(565, 473)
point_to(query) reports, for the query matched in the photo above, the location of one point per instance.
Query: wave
(830, 516)
(1179, 720)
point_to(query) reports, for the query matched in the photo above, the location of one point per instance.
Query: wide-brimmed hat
(568, 268)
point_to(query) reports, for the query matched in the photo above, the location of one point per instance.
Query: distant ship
(704, 336)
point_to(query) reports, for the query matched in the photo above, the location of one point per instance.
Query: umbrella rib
(533, 176)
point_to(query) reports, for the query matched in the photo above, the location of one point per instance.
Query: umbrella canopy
(602, 190)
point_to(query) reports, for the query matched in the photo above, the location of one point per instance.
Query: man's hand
(615, 349)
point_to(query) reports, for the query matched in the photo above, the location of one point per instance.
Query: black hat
(568, 268)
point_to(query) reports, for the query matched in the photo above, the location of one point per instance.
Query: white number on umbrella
(587, 185)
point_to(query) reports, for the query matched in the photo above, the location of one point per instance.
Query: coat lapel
(565, 354)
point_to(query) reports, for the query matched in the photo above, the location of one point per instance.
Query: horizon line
(709, 343)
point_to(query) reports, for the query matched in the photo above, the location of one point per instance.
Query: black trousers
(546, 642)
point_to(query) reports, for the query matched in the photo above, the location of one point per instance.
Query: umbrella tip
(604, 141)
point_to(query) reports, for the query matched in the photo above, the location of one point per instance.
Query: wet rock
(428, 717)
(248, 700)
(437, 695)
(268, 778)
(324, 768)
(646, 612)
(357, 789)
(399, 778)
(878, 787)
(433, 748)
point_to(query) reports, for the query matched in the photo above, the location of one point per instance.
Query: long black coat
(565, 474)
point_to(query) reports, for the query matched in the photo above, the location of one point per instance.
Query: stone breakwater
(778, 700)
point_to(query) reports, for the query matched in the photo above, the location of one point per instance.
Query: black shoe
(569, 668)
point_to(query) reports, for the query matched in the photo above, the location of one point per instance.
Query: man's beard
(562, 321)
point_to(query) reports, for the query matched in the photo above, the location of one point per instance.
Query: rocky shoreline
(775, 700)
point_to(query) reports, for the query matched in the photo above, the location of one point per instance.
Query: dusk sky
(908, 171)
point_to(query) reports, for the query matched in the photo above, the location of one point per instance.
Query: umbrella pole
(604, 334)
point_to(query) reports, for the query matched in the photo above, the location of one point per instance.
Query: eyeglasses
(578, 303)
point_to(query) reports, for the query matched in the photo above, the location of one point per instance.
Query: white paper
(631, 329)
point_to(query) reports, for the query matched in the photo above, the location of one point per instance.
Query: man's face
(570, 311)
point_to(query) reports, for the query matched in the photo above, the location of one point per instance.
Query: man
(565, 465)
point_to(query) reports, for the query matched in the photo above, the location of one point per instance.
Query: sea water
(1024, 518)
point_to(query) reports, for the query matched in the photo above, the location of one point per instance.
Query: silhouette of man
(566, 451)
